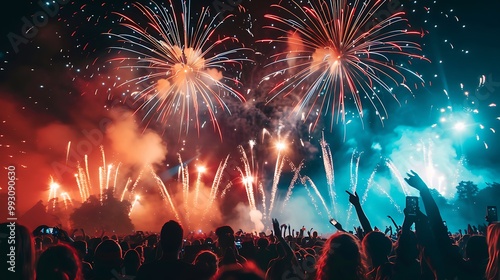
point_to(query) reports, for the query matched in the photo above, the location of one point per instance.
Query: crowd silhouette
(421, 247)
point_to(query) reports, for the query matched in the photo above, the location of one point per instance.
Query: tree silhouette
(110, 215)
(440, 200)
(466, 204)
(467, 190)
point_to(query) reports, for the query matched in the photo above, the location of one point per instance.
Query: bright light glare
(202, 169)
(459, 126)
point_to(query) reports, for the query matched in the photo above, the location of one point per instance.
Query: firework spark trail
(108, 175)
(329, 171)
(218, 177)
(182, 73)
(136, 182)
(66, 199)
(216, 183)
(165, 194)
(82, 182)
(183, 177)
(89, 183)
(248, 187)
(277, 174)
(226, 188)
(247, 177)
(390, 198)
(306, 179)
(133, 204)
(197, 189)
(304, 183)
(67, 151)
(296, 176)
(398, 176)
(129, 180)
(369, 185)
(341, 53)
(263, 195)
(101, 182)
(352, 181)
(116, 176)
(78, 183)
(80, 190)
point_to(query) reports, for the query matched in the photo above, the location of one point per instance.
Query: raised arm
(431, 208)
(282, 242)
(453, 261)
(365, 224)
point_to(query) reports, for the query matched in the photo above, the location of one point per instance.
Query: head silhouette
(225, 236)
(377, 247)
(107, 258)
(476, 248)
(171, 237)
(59, 262)
(341, 258)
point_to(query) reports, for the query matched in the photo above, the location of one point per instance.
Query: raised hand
(277, 228)
(415, 181)
(353, 198)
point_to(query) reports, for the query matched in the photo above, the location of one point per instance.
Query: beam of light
(340, 50)
(185, 60)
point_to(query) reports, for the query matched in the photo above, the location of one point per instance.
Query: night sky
(57, 87)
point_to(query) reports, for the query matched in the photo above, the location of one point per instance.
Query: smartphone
(333, 222)
(238, 244)
(492, 213)
(49, 230)
(412, 205)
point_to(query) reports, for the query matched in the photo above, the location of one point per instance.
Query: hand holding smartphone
(491, 214)
(412, 205)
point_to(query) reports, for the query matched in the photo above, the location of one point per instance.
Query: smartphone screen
(492, 213)
(412, 205)
(333, 222)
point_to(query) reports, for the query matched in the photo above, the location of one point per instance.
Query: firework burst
(182, 62)
(340, 50)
